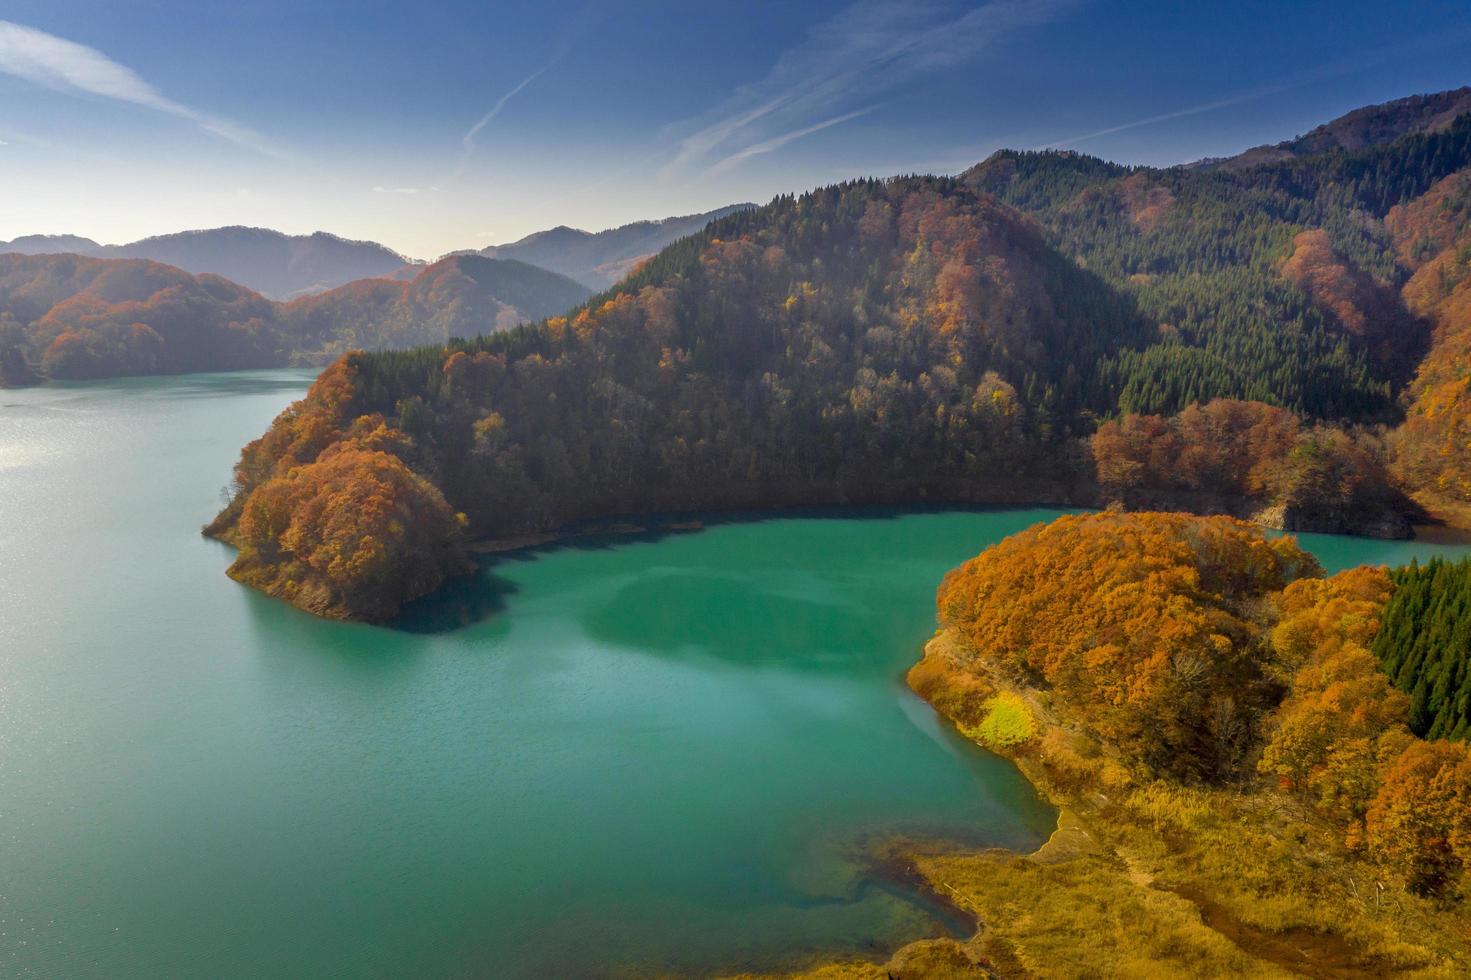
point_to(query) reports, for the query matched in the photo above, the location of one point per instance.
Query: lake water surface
(639, 755)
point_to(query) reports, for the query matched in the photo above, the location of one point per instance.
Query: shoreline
(1157, 886)
(663, 523)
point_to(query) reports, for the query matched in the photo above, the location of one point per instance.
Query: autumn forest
(1277, 339)
(1260, 768)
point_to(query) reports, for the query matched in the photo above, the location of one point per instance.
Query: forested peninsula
(1248, 782)
(1280, 341)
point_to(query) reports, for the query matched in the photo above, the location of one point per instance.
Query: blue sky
(438, 125)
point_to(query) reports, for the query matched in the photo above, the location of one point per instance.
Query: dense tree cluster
(1425, 645)
(338, 523)
(1145, 624)
(1340, 737)
(70, 317)
(1197, 650)
(1227, 452)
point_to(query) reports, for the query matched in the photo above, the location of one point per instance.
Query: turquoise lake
(620, 757)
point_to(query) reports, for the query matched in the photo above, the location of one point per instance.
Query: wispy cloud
(1194, 110)
(381, 189)
(467, 142)
(1309, 76)
(866, 51)
(65, 66)
(777, 142)
(580, 22)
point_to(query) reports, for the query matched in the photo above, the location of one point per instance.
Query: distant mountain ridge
(52, 245)
(600, 259)
(272, 263)
(284, 267)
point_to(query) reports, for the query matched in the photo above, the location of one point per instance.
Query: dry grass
(1086, 918)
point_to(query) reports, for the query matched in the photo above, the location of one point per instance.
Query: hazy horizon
(461, 127)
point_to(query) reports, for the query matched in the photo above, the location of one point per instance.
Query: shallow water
(639, 754)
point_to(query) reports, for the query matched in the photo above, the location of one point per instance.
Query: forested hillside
(1362, 128)
(1333, 284)
(1276, 284)
(64, 316)
(69, 317)
(1044, 327)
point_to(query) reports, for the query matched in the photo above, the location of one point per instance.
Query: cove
(651, 754)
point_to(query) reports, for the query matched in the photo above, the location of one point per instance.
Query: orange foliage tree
(1420, 822)
(1144, 623)
(1340, 716)
(354, 534)
(1233, 450)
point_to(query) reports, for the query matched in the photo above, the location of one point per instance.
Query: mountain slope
(460, 296)
(1362, 128)
(599, 259)
(70, 316)
(1209, 257)
(1339, 282)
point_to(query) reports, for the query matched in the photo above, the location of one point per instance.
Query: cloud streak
(777, 142)
(66, 66)
(1335, 69)
(856, 58)
(467, 142)
(581, 21)
(469, 138)
(1167, 116)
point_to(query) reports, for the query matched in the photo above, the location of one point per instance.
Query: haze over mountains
(269, 262)
(67, 316)
(264, 298)
(600, 259)
(283, 267)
